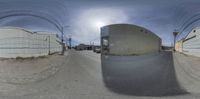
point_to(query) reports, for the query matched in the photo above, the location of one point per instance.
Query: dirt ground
(25, 70)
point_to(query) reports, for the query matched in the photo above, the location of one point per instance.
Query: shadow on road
(145, 75)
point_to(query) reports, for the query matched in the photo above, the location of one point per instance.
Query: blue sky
(80, 18)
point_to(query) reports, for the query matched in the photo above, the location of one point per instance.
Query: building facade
(126, 39)
(17, 42)
(191, 44)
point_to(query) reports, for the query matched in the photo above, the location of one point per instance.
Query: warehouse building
(126, 39)
(17, 42)
(128, 52)
(191, 44)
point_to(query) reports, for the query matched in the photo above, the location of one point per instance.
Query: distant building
(126, 39)
(83, 47)
(167, 48)
(18, 42)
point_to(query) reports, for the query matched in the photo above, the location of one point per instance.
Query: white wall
(125, 39)
(191, 44)
(16, 42)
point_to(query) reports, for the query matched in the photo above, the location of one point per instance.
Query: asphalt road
(80, 77)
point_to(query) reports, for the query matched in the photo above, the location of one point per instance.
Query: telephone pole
(62, 40)
(175, 35)
(70, 42)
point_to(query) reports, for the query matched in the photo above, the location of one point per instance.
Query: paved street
(81, 78)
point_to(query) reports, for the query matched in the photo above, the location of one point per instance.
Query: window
(105, 42)
(105, 45)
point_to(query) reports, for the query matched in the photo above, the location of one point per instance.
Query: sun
(100, 24)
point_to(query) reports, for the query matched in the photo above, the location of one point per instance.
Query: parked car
(97, 49)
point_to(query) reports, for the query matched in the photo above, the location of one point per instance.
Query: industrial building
(126, 39)
(190, 45)
(129, 53)
(18, 42)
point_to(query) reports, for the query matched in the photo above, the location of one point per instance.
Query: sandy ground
(29, 70)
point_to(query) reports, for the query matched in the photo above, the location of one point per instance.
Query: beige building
(179, 46)
(126, 39)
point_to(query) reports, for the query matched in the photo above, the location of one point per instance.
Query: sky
(81, 19)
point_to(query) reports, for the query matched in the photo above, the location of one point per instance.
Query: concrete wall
(16, 42)
(191, 44)
(125, 39)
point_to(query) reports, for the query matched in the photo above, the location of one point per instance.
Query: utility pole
(70, 42)
(66, 42)
(62, 41)
(49, 46)
(175, 35)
